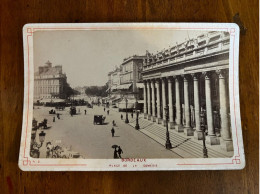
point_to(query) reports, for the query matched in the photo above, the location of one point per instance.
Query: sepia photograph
(113, 94)
(131, 94)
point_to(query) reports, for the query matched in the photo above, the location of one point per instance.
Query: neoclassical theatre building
(189, 78)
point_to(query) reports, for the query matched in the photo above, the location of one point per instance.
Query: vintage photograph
(109, 94)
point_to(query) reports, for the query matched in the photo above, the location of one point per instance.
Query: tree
(96, 90)
(69, 91)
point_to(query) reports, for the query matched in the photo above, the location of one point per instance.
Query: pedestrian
(121, 117)
(132, 114)
(58, 115)
(119, 151)
(53, 119)
(113, 131)
(113, 122)
(107, 112)
(115, 153)
(85, 111)
(104, 109)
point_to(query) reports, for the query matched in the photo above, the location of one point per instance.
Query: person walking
(121, 117)
(107, 112)
(119, 151)
(115, 154)
(104, 109)
(113, 122)
(53, 119)
(85, 111)
(132, 114)
(113, 131)
(58, 115)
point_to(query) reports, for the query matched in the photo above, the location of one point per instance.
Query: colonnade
(155, 101)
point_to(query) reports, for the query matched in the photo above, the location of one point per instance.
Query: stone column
(226, 141)
(149, 100)
(198, 132)
(163, 101)
(153, 101)
(187, 128)
(178, 126)
(211, 138)
(159, 119)
(145, 101)
(171, 123)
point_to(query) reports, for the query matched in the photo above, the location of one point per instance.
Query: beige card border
(27, 163)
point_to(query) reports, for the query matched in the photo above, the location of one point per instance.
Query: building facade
(114, 79)
(131, 76)
(50, 82)
(191, 78)
(126, 82)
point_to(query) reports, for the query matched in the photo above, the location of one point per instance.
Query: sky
(87, 56)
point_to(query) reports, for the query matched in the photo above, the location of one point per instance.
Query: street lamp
(126, 116)
(168, 144)
(137, 115)
(202, 126)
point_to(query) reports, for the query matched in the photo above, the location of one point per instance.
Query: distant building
(50, 82)
(114, 79)
(126, 82)
(130, 76)
(81, 90)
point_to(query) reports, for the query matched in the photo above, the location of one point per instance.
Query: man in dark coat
(113, 131)
(119, 151)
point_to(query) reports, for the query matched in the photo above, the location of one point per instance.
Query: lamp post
(202, 126)
(137, 127)
(168, 144)
(126, 113)
(34, 151)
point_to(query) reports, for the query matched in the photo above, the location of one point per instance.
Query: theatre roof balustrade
(203, 45)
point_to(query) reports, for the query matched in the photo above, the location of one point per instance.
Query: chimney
(40, 70)
(48, 63)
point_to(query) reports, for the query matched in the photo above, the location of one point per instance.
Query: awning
(139, 85)
(124, 86)
(116, 99)
(113, 88)
(130, 104)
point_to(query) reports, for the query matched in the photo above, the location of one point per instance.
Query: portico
(190, 81)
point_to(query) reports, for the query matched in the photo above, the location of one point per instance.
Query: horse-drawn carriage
(99, 119)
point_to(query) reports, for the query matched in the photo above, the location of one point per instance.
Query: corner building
(191, 77)
(49, 82)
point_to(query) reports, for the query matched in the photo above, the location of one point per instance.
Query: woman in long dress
(115, 153)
